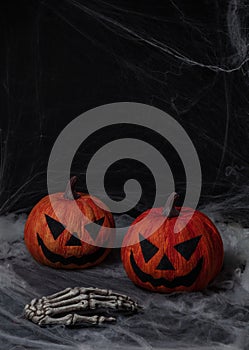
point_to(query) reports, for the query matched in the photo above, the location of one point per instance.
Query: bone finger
(126, 305)
(32, 305)
(102, 297)
(98, 293)
(123, 296)
(29, 314)
(95, 290)
(68, 301)
(108, 297)
(36, 319)
(91, 320)
(82, 290)
(109, 292)
(129, 306)
(58, 294)
(72, 292)
(47, 320)
(94, 304)
(68, 308)
(120, 305)
(129, 303)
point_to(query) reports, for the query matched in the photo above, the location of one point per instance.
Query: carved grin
(186, 280)
(85, 259)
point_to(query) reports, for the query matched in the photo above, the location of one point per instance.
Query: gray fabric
(213, 319)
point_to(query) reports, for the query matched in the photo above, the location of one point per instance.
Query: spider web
(189, 60)
(217, 317)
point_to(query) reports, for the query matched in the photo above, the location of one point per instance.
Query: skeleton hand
(67, 307)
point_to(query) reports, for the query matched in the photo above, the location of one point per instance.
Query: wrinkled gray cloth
(217, 318)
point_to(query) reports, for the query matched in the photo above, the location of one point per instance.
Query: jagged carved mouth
(54, 258)
(185, 280)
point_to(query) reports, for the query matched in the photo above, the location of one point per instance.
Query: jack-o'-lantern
(72, 240)
(167, 260)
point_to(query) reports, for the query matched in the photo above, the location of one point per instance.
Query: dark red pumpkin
(61, 243)
(166, 261)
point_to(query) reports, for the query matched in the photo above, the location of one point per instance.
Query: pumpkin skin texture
(62, 243)
(169, 262)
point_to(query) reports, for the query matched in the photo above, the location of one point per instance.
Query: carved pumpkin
(62, 243)
(167, 261)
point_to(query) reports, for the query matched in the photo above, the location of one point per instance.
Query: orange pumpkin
(167, 261)
(61, 243)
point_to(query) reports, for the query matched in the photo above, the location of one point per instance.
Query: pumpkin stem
(70, 192)
(169, 209)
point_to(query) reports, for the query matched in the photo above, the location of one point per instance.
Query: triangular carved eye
(55, 226)
(94, 227)
(73, 241)
(165, 264)
(187, 248)
(148, 249)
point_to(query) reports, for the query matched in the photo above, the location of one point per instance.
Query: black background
(62, 58)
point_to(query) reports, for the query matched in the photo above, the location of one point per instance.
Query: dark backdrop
(61, 58)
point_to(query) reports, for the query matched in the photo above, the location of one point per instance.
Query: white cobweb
(216, 318)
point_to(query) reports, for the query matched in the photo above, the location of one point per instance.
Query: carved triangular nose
(73, 241)
(165, 264)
